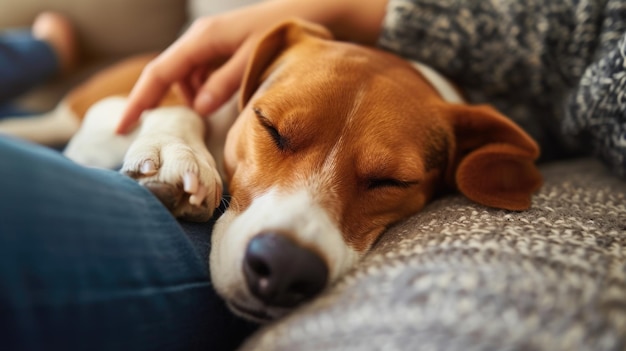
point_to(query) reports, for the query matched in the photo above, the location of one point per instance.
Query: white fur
(96, 144)
(172, 139)
(53, 129)
(297, 213)
(443, 86)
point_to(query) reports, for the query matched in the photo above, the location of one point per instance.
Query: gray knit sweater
(556, 67)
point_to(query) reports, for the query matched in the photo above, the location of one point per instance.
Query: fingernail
(204, 101)
(148, 167)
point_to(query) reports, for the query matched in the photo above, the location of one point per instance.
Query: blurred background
(108, 30)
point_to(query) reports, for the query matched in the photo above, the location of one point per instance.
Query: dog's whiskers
(224, 203)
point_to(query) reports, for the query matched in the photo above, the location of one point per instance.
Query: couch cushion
(459, 276)
(107, 27)
(201, 8)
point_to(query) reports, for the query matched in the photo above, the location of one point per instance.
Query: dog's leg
(96, 144)
(171, 159)
(54, 128)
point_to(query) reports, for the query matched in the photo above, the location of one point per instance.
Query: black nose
(281, 273)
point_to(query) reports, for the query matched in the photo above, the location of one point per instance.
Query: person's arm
(208, 61)
(499, 47)
(523, 57)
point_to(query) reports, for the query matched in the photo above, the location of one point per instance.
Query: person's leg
(25, 62)
(9, 109)
(29, 57)
(90, 260)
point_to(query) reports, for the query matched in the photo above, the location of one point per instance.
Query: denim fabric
(25, 62)
(8, 110)
(90, 260)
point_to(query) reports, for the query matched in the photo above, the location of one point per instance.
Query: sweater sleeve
(525, 57)
(497, 45)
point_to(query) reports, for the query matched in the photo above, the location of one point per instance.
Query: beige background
(107, 27)
(108, 30)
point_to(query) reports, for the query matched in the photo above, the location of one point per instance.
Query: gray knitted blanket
(459, 276)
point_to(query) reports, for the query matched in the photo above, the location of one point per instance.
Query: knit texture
(554, 67)
(460, 276)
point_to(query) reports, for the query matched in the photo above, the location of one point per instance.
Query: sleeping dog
(329, 145)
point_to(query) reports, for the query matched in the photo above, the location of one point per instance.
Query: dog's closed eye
(377, 183)
(281, 142)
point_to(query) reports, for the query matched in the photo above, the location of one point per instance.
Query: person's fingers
(197, 78)
(152, 85)
(146, 93)
(187, 92)
(190, 85)
(199, 46)
(223, 82)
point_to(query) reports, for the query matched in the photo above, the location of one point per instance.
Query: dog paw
(185, 180)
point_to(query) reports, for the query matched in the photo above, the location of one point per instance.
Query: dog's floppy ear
(271, 45)
(493, 162)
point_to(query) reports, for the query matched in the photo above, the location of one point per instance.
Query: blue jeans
(90, 260)
(25, 62)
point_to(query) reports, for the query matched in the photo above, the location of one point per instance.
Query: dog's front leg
(96, 144)
(171, 159)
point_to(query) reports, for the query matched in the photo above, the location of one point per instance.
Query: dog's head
(336, 142)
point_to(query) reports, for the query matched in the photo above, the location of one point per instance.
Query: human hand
(208, 61)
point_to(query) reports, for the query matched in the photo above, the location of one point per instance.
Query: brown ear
(494, 158)
(271, 45)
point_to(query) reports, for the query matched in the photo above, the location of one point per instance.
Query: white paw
(184, 179)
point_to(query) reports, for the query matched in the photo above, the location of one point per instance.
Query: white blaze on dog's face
(334, 143)
(315, 158)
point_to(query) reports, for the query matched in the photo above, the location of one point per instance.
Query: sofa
(456, 276)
